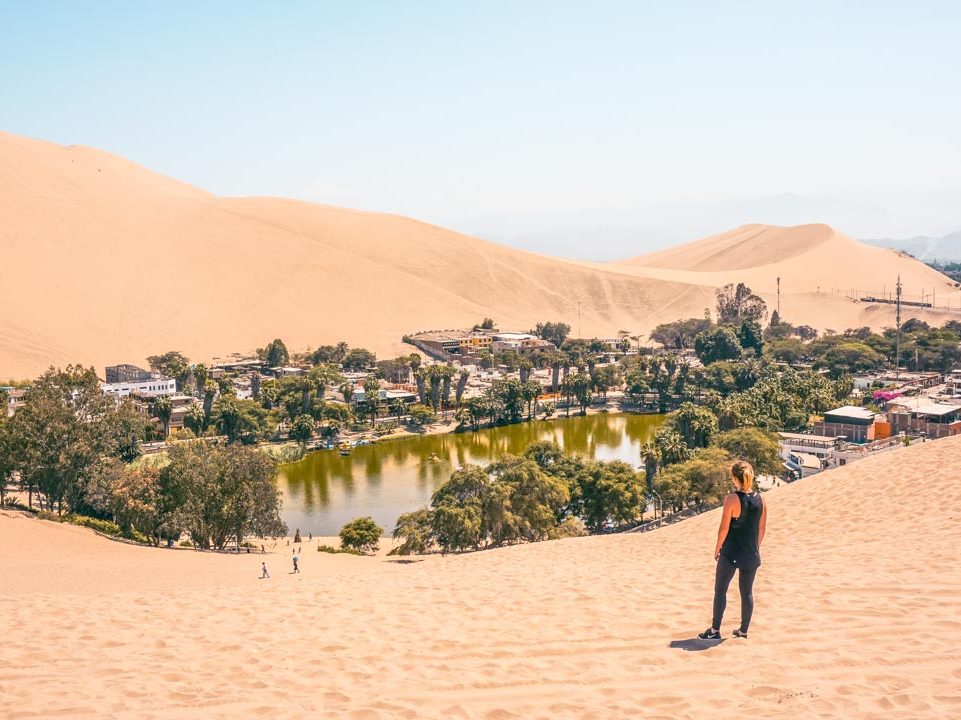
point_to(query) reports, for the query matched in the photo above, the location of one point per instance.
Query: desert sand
(858, 615)
(107, 262)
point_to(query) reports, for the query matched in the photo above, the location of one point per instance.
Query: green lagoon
(391, 477)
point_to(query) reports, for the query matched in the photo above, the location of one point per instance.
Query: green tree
(696, 425)
(195, 420)
(751, 336)
(127, 428)
(736, 303)
(131, 495)
(719, 344)
(458, 508)
(240, 420)
(462, 378)
(200, 375)
(302, 429)
(420, 415)
(275, 354)
(63, 429)
(172, 364)
(372, 397)
(535, 500)
(358, 359)
(555, 332)
(221, 494)
(414, 529)
(758, 447)
(162, 409)
(680, 335)
(609, 492)
(362, 534)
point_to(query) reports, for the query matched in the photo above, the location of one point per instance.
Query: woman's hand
(717, 552)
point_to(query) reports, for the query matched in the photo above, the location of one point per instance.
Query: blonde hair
(743, 472)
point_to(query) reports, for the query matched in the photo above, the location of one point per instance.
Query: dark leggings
(745, 582)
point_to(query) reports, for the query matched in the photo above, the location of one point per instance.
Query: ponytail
(744, 473)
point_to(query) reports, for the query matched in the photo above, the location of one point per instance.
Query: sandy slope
(106, 262)
(859, 610)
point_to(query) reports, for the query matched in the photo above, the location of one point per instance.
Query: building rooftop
(805, 437)
(937, 410)
(851, 411)
(514, 336)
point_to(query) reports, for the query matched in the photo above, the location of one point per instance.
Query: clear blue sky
(451, 110)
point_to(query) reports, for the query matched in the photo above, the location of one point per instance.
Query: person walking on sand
(296, 569)
(263, 571)
(739, 538)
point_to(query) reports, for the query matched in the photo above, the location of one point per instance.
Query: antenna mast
(779, 296)
(897, 361)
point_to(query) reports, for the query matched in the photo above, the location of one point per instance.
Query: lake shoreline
(383, 480)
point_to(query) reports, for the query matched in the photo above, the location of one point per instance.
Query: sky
(556, 126)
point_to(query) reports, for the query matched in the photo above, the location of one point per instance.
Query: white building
(153, 386)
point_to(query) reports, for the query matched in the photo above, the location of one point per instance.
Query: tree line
(545, 494)
(75, 450)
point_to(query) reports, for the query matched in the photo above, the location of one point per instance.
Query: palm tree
(434, 377)
(372, 397)
(651, 457)
(461, 386)
(347, 390)
(557, 359)
(200, 378)
(195, 420)
(210, 392)
(525, 366)
(324, 376)
(397, 407)
(530, 391)
(446, 373)
(340, 351)
(162, 409)
(420, 377)
(306, 385)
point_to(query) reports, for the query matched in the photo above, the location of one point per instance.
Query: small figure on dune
(263, 571)
(296, 568)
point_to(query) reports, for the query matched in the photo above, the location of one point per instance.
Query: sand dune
(859, 608)
(107, 262)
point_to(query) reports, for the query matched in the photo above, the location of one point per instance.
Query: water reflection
(325, 489)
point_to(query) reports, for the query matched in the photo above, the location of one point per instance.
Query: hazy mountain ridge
(929, 249)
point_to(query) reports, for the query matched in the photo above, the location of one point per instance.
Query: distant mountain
(946, 248)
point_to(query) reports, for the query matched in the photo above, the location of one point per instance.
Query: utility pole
(779, 296)
(897, 357)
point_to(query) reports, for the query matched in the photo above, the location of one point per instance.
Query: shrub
(571, 527)
(107, 527)
(185, 544)
(361, 534)
(334, 551)
(137, 536)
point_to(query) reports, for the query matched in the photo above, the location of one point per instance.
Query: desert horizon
(273, 254)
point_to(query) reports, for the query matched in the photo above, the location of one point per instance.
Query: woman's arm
(730, 502)
(763, 523)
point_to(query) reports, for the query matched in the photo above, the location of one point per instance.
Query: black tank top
(740, 546)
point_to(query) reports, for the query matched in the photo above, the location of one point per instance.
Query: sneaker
(740, 633)
(709, 634)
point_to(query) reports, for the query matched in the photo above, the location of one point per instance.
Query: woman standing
(739, 538)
